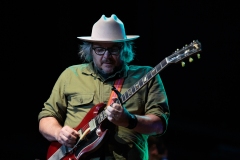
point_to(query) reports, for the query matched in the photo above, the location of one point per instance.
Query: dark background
(39, 42)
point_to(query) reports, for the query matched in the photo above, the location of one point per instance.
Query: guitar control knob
(98, 132)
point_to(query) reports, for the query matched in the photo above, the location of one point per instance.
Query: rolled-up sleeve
(157, 102)
(56, 105)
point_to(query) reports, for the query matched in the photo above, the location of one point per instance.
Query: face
(107, 63)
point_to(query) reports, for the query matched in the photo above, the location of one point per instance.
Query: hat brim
(90, 39)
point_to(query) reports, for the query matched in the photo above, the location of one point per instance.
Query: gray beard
(103, 74)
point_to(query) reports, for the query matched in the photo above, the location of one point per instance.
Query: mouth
(107, 62)
(107, 65)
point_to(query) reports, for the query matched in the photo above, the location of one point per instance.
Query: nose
(107, 54)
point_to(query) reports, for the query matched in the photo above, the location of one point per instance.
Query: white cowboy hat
(108, 30)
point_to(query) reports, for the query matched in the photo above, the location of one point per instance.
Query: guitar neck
(175, 57)
(143, 81)
(137, 86)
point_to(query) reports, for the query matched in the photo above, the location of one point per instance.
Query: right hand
(67, 136)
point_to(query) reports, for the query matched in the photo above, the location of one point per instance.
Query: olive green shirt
(80, 87)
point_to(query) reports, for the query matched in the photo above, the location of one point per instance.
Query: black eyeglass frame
(109, 50)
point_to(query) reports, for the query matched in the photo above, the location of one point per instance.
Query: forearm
(149, 124)
(49, 128)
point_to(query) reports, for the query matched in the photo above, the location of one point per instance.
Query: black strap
(118, 94)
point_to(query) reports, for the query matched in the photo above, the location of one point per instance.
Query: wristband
(132, 121)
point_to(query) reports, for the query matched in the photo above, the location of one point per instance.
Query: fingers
(115, 100)
(68, 136)
(114, 111)
(117, 114)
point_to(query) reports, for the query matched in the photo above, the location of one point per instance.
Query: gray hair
(127, 53)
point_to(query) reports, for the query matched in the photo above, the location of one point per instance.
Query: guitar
(94, 128)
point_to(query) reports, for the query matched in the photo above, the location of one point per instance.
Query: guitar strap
(118, 85)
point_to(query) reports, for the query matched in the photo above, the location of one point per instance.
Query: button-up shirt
(80, 87)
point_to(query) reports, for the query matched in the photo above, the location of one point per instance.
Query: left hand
(117, 114)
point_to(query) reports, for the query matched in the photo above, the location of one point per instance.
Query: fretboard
(144, 80)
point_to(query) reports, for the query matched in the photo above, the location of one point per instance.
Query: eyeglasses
(101, 51)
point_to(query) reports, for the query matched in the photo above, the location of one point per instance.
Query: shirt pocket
(81, 100)
(78, 106)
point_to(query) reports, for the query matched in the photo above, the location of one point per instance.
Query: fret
(129, 92)
(145, 79)
(120, 98)
(133, 89)
(126, 94)
(153, 71)
(162, 64)
(149, 75)
(137, 86)
(140, 83)
(159, 67)
(123, 98)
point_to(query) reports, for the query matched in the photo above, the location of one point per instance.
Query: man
(129, 122)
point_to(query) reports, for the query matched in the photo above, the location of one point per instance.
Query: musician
(132, 114)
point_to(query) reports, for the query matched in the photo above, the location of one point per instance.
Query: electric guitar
(93, 129)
